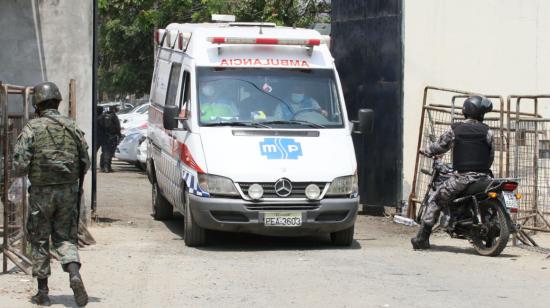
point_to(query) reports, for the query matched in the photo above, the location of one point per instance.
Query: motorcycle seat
(475, 188)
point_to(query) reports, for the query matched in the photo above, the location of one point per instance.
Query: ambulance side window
(161, 82)
(173, 84)
(185, 92)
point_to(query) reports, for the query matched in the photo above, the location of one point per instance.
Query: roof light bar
(264, 41)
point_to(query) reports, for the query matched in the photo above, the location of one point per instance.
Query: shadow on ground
(68, 300)
(230, 241)
(464, 250)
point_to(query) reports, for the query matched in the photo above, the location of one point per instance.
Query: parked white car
(127, 150)
(141, 109)
(142, 154)
(137, 118)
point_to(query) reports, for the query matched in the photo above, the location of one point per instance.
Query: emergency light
(264, 41)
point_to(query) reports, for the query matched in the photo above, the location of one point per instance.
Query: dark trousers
(107, 153)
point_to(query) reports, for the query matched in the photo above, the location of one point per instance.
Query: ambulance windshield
(268, 97)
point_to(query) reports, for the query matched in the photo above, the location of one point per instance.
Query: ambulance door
(180, 136)
(166, 154)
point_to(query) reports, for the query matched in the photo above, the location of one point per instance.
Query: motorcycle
(480, 214)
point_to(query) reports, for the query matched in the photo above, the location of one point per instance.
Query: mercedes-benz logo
(283, 188)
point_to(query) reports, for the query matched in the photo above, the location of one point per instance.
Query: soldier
(109, 125)
(52, 151)
(473, 155)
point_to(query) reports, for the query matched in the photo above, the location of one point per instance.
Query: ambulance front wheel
(193, 234)
(343, 237)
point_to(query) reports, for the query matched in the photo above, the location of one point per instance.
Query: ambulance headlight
(256, 191)
(344, 185)
(217, 185)
(313, 192)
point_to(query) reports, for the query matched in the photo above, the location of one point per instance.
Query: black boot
(80, 295)
(422, 239)
(41, 298)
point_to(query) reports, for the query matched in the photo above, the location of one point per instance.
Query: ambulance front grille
(282, 207)
(298, 189)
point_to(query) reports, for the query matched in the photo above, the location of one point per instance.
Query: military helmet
(476, 107)
(45, 91)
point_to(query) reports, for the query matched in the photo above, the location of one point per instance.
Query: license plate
(510, 200)
(283, 219)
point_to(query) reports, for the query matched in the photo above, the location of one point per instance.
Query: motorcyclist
(473, 153)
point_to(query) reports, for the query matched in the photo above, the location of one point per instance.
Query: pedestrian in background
(100, 132)
(52, 151)
(109, 125)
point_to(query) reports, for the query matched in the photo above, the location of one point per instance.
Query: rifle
(82, 171)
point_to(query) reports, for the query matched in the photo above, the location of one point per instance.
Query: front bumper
(237, 215)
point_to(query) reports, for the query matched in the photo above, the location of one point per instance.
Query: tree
(127, 27)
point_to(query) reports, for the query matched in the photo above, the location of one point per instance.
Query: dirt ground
(139, 262)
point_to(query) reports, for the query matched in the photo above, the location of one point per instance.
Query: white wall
(66, 27)
(50, 40)
(486, 46)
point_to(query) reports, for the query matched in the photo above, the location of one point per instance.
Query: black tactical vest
(471, 151)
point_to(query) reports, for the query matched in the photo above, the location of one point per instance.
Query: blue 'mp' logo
(280, 148)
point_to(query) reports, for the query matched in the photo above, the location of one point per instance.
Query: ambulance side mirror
(170, 117)
(365, 122)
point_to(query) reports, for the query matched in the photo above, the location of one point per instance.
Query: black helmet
(45, 91)
(475, 107)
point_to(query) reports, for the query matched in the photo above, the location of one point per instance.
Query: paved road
(139, 262)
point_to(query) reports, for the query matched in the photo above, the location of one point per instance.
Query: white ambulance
(248, 132)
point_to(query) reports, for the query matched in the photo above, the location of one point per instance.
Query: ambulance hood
(245, 155)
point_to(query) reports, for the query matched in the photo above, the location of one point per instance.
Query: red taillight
(509, 186)
(513, 210)
(186, 158)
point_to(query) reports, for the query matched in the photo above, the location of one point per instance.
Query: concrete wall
(50, 40)
(487, 46)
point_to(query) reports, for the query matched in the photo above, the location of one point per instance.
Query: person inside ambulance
(298, 102)
(257, 104)
(213, 107)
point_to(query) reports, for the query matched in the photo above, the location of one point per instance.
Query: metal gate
(441, 107)
(14, 113)
(529, 160)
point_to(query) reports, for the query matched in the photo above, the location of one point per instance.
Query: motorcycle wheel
(496, 239)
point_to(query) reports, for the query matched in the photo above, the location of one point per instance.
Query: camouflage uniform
(451, 188)
(48, 154)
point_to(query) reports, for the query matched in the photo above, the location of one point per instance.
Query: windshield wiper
(306, 123)
(237, 123)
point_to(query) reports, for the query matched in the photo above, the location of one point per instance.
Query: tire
(499, 244)
(343, 237)
(193, 234)
(162, 209)
(150, 170)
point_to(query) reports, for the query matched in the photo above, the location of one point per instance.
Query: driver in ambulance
(298, 100)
